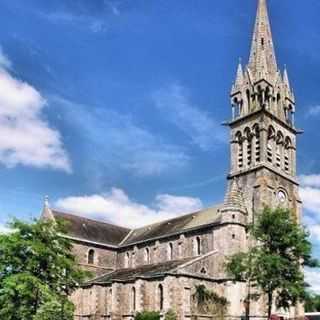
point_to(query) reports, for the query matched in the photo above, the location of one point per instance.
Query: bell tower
(263, 132)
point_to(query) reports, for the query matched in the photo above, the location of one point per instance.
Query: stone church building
(156, 267)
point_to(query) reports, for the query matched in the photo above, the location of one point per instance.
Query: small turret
(234, 208)
(237, 86)
(46, 211)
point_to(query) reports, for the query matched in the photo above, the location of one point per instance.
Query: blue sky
(118, 105)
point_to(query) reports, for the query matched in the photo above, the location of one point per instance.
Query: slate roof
(91, 230)
(169, 227)
(146, 271)
(105, 233)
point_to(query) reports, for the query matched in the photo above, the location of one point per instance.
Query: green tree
(147, 315)
(274, 264)
(37, 272)
(209, 302)
(312, 302)
(170, 315)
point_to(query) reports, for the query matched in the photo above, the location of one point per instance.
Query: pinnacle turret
(286, 79)
(239, 79)
(234, 198)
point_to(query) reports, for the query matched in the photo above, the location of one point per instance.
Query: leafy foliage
(312, 303)
(147, 315)
(274, 265)
(170, 315)
(37, 272)
(208, 302)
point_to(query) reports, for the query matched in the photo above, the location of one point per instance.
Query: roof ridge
(89, 219)
(139, 268)
(177, 217)
(196, 259)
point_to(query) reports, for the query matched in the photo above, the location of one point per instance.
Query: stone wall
(183, 246)
(95, 302)
(105, 259)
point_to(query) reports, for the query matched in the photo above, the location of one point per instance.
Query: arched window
(170, 251)
(279, 149)
(133, 259)
(270, 144)
(180, 250)
(91, 256)
(160, 297)
(256, 133)
(278, 101)
(248, 141)
(127, 260)
(287, 155)
(147, 256)
(267, 97)
(133, 299)
(110, 301)
(197, 247)
(248, 100)
(240, 149)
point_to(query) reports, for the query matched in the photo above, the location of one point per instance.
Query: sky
(113, 108)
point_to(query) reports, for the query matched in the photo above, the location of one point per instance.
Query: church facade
(158, 267)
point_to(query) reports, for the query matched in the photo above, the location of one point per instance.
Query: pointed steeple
(286, 79)
(239, 79)
(262, 44)
(46, 211)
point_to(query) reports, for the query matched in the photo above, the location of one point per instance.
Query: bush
(170, 315)
(147, 315)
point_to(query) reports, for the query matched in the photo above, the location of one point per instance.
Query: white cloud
(311, 198)
(312, 277)
(312, 180)
(203, 130)
(313, 226)
(116, 207)
(5, 63)
(82, 21)
(122, 144)
(25, 137)
(310, 195)
(314, 110)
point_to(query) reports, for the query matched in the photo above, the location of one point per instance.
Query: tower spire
(262, 44)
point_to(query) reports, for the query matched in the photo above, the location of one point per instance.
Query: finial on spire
(46, 201)
(286, 78)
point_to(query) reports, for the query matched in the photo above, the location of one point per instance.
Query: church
(157, 267)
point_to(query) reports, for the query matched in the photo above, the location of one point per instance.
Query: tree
(209, 302)
(170, 315)
(312, 302)
(274, 264)
(147, 315)
(37, 272)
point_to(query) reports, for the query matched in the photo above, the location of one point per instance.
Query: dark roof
(108, 234)
(91, 230)
(180, 224)
(146, 271)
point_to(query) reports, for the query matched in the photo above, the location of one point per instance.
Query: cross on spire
(262, 55)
